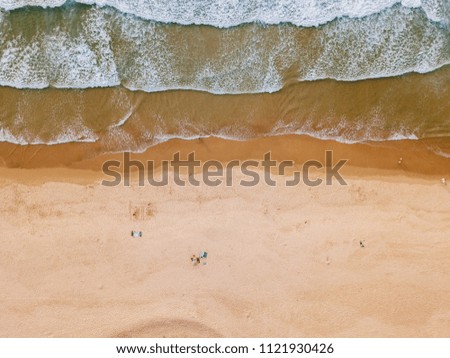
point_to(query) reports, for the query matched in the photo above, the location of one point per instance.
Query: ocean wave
(345, 132)
(69, 135)
(87, 46)
(162, 138)
(223, 14)
(72, 136)
(117, 138)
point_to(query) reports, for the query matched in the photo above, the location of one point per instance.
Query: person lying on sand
(195, 260)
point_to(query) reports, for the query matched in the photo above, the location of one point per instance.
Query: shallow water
(130, 74)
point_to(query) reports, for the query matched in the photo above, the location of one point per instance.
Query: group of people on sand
(196, 260)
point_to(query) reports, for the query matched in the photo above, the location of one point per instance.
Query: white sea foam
(227, 13)
(161, 138)
(402, 136)
(69, 135)
(123, 120)
(440, 152)
(7, 136)
(344, 131)
(82, 61)
(250, 59)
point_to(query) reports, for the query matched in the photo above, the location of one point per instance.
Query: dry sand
(281, 261)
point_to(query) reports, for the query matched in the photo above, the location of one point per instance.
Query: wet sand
(420, 157)
(367, 259)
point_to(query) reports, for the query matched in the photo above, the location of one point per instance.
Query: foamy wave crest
(69, 135)
(227, 13)
(87, 46)
(344, 131)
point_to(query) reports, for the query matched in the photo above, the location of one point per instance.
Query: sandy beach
(370, 259)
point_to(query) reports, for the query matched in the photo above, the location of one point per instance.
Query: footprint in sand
(143, 211)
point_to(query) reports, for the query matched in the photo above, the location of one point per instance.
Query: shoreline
(83, 161)
(378, 109)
